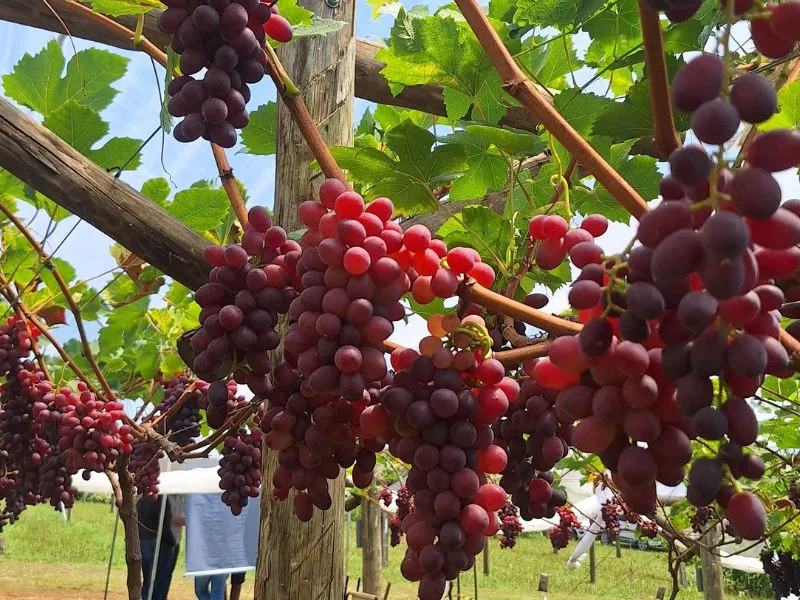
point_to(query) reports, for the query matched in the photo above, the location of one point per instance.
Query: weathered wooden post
(297, 560)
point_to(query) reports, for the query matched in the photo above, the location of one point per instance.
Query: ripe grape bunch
(783, 570)
(404, 508)
(240, 468)
(226, 38)
(535, 437)
(556, 240)
(250, 284)
(437, 416)
(510, 525)
(184, 425)
(221, 399)
(146, 469)
(563, 532)
(611, 512)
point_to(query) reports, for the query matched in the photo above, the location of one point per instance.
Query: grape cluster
(700, 518)
(556, 240)
(240, 468)
(794, 494)
(437, 415)
(510, 525)
(783, 571)
(183, 426)
(775, 33)
(647, 528)
(563, 532)
(611, 512)
(146, 469)
(250, 284)
(315, 435)
(535, 438)
(404, 508)
(226, 38)
(385, 496)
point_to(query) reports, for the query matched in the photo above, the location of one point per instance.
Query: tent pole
(111, 555)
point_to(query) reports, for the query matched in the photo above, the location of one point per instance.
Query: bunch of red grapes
(510, 525)
(610, 513)
(694, 301)
(404, 508)
(240, 468)
(561, 534)
(250, 284)
(221, 400)
(437, 416)
(535, 437)
(557, 240)
(146, 469)
(226, 38)
(184, 425)
(783, 570)
(385, 496)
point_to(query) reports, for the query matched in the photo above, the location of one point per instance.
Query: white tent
(197, 476)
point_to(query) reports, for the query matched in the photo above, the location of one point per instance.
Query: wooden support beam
(45, 162)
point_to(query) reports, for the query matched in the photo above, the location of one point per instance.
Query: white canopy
(196, 476)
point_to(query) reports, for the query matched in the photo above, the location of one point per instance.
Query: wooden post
(660, 593)
(618, 547)
(712, 567)
(486, 556)
(301, 561)
(544, 580)
(698, 577)
(371, 540)
(683, 581)
(2, 544)
(592, 565)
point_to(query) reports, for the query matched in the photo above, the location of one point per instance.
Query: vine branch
(520, 87)
(666, 138)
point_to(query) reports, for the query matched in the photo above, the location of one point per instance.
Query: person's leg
(173, 561)
(218, 586)
(163, 573)
(201, 584)
(237, 579)
(148, 551)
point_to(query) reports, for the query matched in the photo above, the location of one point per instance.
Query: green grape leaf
(117, 153)
(554, 13)
(118, 8)
(121, 325)
(259, 135)
(409, 179)
(516, 142)
(581, 109)
(366, 125)
(485, 171)
(35, 80)
(383, 7)
(788, 115)
(199, 208)
(388, 117)
(294, 13)
(551, 61)
(317, 27)
(78, 125)
(631, 119)
(156, 190)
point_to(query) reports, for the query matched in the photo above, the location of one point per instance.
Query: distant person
(210, 587)
(149, 513)
(237, 580)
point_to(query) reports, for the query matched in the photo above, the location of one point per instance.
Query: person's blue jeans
(166, 562)
(210, 587)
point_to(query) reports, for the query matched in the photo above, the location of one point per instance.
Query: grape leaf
(554, 13)
(157, 190)
(383, 7)
(199, 208)
(118, 8)
(259, 136)
(486, 170)
(409, 179)
(317, 26)
(35, 80)
(294, 13)
(788, 115)
(551, 61)
(366, 125)
(391, 116)
(78, 125)
(581, 109)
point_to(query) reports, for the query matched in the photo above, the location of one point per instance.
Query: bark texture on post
(712, 566)
(371, 539)
(130, 523)
(305, 561)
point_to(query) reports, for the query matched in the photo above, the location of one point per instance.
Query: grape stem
(176, 406)
(665, 137)
(520, 87)
(140, 42)
(86, 349)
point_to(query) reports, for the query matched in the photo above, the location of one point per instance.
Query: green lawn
(47, 559)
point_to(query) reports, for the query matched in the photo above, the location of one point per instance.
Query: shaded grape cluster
(405, 507)
(783, 571)
(225, 40)
(146, 469)
(240, 468)
(610, 513)
(184, 425)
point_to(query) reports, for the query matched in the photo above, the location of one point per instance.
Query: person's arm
(179, 511)
(179, 521)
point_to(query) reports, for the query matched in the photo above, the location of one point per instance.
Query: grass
(48, 559)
